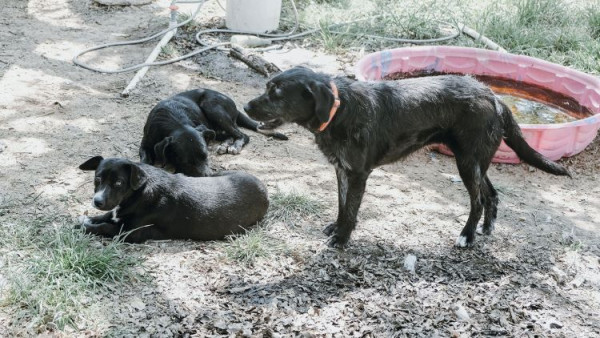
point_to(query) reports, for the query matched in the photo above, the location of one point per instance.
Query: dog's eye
(274, 91)
(118, 183)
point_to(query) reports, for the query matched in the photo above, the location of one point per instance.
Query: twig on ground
(254, 61)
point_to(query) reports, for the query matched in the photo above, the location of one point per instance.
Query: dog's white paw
(485, 231)
(233, 150)
(461, 242)
(222, 149)
(82, 222)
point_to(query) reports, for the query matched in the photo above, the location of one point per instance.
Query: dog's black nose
(247, 107)
(98, 202)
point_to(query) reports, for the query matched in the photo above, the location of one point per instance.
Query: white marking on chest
(114, 215)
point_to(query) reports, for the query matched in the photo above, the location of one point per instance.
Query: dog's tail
(514, 139)
(245, 121)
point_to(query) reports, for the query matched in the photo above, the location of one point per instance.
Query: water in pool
(532, 112)
(529, 103)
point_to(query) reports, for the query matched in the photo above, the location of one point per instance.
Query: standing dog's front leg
(342, 184)
(350, 195)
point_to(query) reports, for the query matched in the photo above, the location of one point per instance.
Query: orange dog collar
(336, 104)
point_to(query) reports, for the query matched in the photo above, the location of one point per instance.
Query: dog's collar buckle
(334, 108)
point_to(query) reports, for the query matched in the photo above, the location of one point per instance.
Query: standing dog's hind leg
(490, 206)
(471, 176)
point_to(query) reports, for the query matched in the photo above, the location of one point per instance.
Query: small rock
(234, 328)
(556, 325)
(558, 275)
(409, 263)
(137, 303)
(220, 324)
(461, 312)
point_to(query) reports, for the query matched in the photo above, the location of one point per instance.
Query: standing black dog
(160, 205)
(178, 129)
(381, 122)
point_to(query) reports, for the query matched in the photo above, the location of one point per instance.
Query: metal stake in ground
(163, 42)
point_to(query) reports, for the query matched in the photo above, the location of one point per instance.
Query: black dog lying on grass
(381, 122)
(159, 205)
(179, 128)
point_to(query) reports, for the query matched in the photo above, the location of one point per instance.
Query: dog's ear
(160, 151)
(92, 163)
(324, 99)
(208, 134)
(137, 178)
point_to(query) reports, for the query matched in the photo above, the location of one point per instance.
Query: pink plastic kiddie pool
(552, 140)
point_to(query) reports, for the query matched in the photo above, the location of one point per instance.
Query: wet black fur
(161, 205)
(179, 128)
(382, 122)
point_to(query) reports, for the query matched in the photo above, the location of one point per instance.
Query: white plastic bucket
(256, 16)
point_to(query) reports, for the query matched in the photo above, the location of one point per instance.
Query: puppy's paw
(222, 149)
(270, 124)
(463, 242)
(82, 222)
(233, 150)
(330, 229)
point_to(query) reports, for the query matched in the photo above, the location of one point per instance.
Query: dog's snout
(248, 107)
(98, 202)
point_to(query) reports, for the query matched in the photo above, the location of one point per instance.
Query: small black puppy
(161, 205)
(381, 122)
(179, 128)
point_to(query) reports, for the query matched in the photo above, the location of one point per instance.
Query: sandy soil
(539, 274)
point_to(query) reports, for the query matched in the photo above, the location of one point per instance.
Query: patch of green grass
(593, 21)
(414, 20)
(53, 270)
(249, 247)
(577, 245)
(168, 51)
(289, 208)
(560, 31)
(190, 27)
(532, 13)
(552, 30)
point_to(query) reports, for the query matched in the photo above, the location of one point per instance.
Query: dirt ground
(539, 274)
